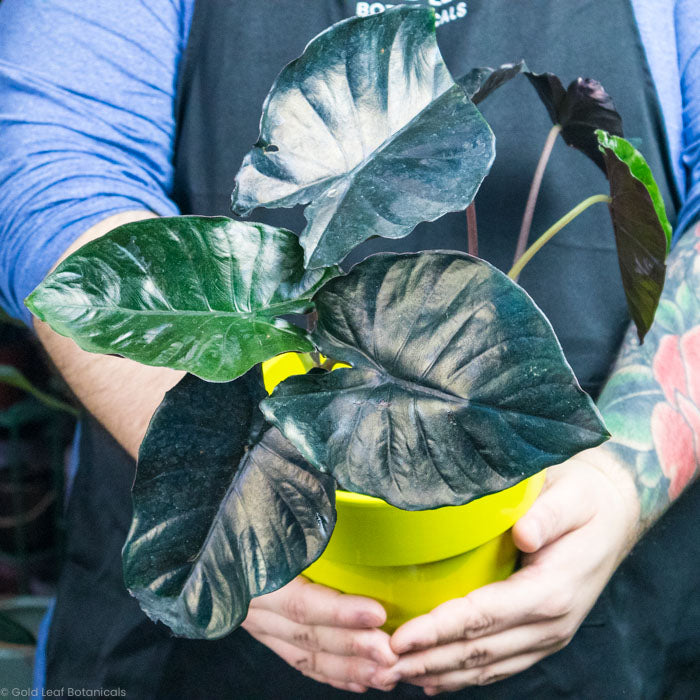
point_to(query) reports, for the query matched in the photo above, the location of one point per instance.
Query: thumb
(560, 508)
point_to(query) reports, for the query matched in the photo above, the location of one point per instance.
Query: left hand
(572, 539)
(326, 635)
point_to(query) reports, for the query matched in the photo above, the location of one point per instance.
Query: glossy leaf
(580, 109)
(220, 514)
(369, 127)
(192, 293)
(13, 377)
(479, 83)
(642, 230)
(458, 386)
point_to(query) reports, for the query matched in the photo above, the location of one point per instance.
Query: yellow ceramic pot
(411, 561)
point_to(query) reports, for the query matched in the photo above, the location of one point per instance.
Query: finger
(351, 687)
(312, 604)
(368, 643)
(459, 656)
(449, 682)
(344, 669)
(559, 509)
(520, 599)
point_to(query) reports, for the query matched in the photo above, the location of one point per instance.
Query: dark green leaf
(12, 376)
(642, 230)
(12, 632)
(458, 386)
(220, 516)
(369, 126)
(479, 83)
(580, 109)
(193, 293)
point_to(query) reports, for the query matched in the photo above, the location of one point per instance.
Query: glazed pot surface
(411, 561)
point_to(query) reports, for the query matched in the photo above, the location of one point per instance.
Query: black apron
(642, 640)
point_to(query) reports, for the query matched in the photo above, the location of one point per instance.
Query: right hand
(327, 635)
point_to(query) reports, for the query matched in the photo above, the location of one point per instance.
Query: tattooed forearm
(651, 402)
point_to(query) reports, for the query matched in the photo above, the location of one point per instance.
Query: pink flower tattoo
(675, 425)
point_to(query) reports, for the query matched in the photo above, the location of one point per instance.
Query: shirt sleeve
(687, 21)
(87, 124)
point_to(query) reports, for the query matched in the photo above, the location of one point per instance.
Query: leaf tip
(237, 207)
(605, 140)
(642, 331)
(31, 303)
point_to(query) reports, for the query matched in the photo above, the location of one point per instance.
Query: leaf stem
(553, 230)
(534, 192)
(472, 231)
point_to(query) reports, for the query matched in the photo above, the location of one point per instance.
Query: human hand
(572, 539)
(328, 636)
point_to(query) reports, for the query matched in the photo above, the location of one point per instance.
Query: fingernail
(369, 620)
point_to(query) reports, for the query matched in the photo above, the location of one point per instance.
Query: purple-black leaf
(580, 109)
(479, 83)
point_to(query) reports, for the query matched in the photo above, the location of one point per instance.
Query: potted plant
(411, 561)
(454, 385)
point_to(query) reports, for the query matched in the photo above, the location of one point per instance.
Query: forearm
(120, 393)
(651, 403)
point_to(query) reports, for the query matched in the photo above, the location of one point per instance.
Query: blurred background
(36, 428)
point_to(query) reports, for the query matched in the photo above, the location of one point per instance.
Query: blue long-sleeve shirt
(87, 126)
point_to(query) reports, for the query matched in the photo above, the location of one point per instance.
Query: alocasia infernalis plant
(456, 387)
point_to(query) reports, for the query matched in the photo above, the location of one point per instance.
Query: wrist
(618, 490)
